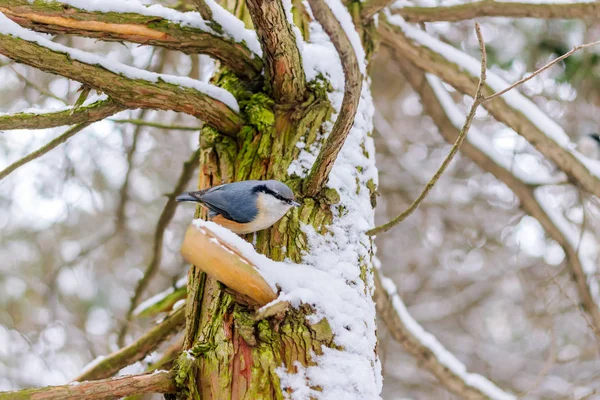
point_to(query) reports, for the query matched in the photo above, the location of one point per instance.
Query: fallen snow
(513, 97)
(443, 356)
(233, 28)
(8, 27)
(341, 13)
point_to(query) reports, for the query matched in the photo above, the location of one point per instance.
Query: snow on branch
(140, 348)
(281, 44)
(478, 98)
(512, 108)
(222, 37)
(67, 116)
(106, 389)
(347, 49)
(129, 86)
(486, 8)
(428, 351)
(440, 106)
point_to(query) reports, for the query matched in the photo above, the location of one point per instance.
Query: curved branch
(551, 141)
(159, 232)
(91, 113)
(428, 352)
(477, 100)
(145, 29)
(352, 87)
(44, 149)
(131, 87)
(434, 107)
(283, 65)
(107, 389)
(490, 8)
(137, 350)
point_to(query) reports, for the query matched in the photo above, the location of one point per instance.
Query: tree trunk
(229, 355)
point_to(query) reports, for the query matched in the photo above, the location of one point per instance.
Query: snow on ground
(8, 27)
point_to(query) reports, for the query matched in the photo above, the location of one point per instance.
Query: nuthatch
(589, 146)
(246, 206)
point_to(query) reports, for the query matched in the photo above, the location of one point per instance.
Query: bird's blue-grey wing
(234, 203)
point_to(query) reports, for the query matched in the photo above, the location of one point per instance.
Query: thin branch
(523, 191)
(156, 93)
(203, 9)
(137, 350)
(163, 221)
(107, 389)
(431, 56)
(123, 191)
(352, 87)
(94, 112)
(477, 100)
(371, 7)
(542, 69)
(283, 64)
(34, 85)
(489, 8)
(158, 125)
(44, 149)
(62, 18)
(429, 353)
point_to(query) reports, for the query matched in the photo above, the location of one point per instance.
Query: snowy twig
(44, 149)
(491, 8)
(371, 7)
(478, 98)
(203, 9)
(319, 173)
(542, 69)
(94, 112)
(137, 350)
(140, 28)
(157, 125)
(430, 353)
(524, 191)
(283, 65)
(131, 87)
(156, 382)
(163, 221)
(513, 109)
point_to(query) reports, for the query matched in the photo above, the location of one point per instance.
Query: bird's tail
(195, 197)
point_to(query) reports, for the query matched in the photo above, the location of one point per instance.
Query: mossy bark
(230, 355)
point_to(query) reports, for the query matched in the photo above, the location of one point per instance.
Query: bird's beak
(186, 197)
(295, 204)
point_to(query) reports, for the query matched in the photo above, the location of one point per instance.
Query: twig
(106, 389)
(137, 350)
(165, 217)
(44, 149)
(41, 90)
(94, 112)
(353, 83)
(158, 125)
(478, 98)
(540, 70)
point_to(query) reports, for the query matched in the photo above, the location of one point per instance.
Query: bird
(244, 206)
(589, 145)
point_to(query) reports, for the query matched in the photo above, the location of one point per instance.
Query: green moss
(259, 111)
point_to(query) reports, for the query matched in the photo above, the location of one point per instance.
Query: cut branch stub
(212, 255)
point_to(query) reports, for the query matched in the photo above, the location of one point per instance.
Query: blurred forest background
(77, 226)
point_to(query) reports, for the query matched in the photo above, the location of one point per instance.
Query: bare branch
(132, 93)
(41, 90)
(500, 109)
(540, 70)
(61, 18)
(428, 352)
(523, 191)
(489, 8)
(107, 389)
(283, 66)
(477, 100)
(92, 113)
(44, 149)
(371, 7)
(352, 87)
(163, 221)
(156, 125)
(137, 350)
(203, 9)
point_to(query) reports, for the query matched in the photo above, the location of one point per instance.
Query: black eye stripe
(265, 189)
